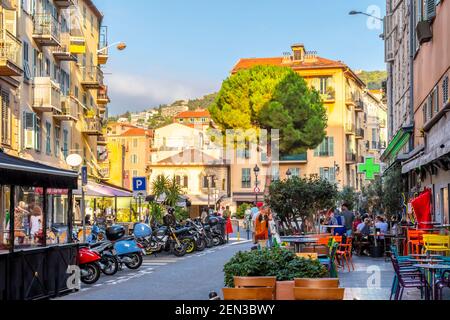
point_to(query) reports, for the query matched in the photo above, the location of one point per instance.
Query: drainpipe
(411, 69)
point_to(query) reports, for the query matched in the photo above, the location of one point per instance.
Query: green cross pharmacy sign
(369, 168)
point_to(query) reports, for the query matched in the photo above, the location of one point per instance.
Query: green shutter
(331, 147)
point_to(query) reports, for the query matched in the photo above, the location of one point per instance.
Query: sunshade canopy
(20, 172)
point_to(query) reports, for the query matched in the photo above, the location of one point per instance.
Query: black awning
(20, 172)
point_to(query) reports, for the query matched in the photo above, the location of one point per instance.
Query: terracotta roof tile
(194, 114)
(136, 132)
(317, 62)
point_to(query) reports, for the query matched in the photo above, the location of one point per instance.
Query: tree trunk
(269, 170)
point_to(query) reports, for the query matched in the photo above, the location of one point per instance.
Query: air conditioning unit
(424, 33)
(389, 57)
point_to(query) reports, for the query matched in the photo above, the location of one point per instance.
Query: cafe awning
(21, 172)
(94, 189)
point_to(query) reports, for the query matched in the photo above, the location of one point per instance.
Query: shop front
(35, 229)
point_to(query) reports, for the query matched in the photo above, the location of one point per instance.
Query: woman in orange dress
(262, 226)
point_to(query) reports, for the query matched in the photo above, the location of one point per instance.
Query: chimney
(298, 51)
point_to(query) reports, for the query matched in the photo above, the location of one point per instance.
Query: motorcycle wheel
(216, 241)
(189, 244)
(201, 244)
(137, 261)
(209, 242)
(111, 265)
(93, 275)
(179, 250)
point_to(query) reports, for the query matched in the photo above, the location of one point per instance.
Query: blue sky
(179, 49)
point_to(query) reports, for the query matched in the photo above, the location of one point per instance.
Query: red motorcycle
(89, 265)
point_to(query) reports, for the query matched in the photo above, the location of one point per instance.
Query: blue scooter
(128, 251)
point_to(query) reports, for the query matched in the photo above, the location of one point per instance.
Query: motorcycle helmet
(141, 230)
(169, 219)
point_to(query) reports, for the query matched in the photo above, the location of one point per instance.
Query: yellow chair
(308, 256)
(436, 243)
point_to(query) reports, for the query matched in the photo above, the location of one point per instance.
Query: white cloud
(137, 92)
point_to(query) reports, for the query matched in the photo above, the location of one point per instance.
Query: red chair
(344, 254)
(415, 241)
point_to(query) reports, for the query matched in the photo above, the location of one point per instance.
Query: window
(324, 84)
(65, 143)
(328, 174)
(134, 159)
(92, 23)
(135, 143)
(135, 173)
(445, 205)
(48, 132)
(295, 172)
(6, 118)
(246, 178)
(326, 148)
(57, 141)
(435, 99)
(275, 173)
(48, 66)
(26, 62)
(186, 181)
(84, 17)
(243, 151)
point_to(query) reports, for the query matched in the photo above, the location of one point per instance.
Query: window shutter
(331, 147)
(445, 90)
(436, 97)
(431, 9)
(322, 173)
(29, 130)
(332, 175)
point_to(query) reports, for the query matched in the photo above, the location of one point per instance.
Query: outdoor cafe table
(332, 227)
(432, 268)
(426, 261)
(298, 241)
(425, 256)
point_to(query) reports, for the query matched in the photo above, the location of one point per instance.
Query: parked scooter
(109, 262)
(89, 265)
(129, 252)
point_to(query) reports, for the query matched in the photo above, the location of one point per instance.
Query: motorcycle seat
(182, 230)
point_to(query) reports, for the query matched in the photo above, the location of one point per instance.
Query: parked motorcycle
(128, 251)
(159, 239)
(200, 235)
(89, 265)
(109, 262)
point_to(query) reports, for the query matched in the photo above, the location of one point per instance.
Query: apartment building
(429, 164)
(399, 37)
(188, 154)
(54, 101)
(129, 153)
(343, 94)
(199, 117)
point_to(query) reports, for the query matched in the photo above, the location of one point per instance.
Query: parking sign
(140, 186)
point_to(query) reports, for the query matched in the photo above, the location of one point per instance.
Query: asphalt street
(166, 277)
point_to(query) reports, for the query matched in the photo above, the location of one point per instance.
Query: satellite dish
(74, 160)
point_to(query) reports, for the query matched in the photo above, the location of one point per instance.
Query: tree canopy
(271, 97)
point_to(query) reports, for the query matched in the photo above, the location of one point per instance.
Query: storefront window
(4, 219)
(28, 218)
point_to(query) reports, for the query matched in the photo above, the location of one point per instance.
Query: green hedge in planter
(281, 263)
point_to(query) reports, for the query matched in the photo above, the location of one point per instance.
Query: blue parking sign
(140, 184)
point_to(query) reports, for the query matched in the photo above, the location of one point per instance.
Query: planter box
(285, 290)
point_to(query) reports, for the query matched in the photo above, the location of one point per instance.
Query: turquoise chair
(330, 261)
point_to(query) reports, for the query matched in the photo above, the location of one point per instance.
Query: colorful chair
(415, 241)
(406, 279)
(436, 243)
(344, 254)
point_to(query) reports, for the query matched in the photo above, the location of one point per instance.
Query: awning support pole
(70, 214)
(45, 213)
(12, 198)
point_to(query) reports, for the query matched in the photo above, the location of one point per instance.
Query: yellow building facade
(53, 95)
(337, 157)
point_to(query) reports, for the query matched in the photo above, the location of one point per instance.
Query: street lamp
(353, 12)
(256, 170)
(120, 45)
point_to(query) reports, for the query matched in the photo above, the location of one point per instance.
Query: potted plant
(276, 262)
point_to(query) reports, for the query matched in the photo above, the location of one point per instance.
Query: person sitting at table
(382, 225)
(362, 242)
(364, 228)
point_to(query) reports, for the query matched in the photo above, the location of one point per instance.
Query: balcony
(103, 56)
(349, 129)
(62, 51)
(47, 95)
(102, 96)
(359, 133)
(92, 78)
(359, 106)
(350, 157)
(383, 123)
(92, 127)
(63, 4)
(69, 110)
(350, 99)
(104, 170)
(101, 141)
(10, 55)
(46, 31)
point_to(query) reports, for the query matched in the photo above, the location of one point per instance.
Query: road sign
(140, 187)
(257, 190)
(84, 175)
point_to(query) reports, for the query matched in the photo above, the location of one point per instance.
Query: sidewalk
(372, 280)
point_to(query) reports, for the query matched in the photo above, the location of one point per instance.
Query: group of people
(27, 222)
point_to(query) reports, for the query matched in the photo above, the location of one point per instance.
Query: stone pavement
(372, 280)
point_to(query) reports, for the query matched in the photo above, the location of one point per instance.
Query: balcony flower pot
(285, 290)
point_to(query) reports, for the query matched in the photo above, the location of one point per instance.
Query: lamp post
(354, 12)
(256, 170)
(120, 45)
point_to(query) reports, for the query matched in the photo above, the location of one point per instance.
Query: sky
(182, 49)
